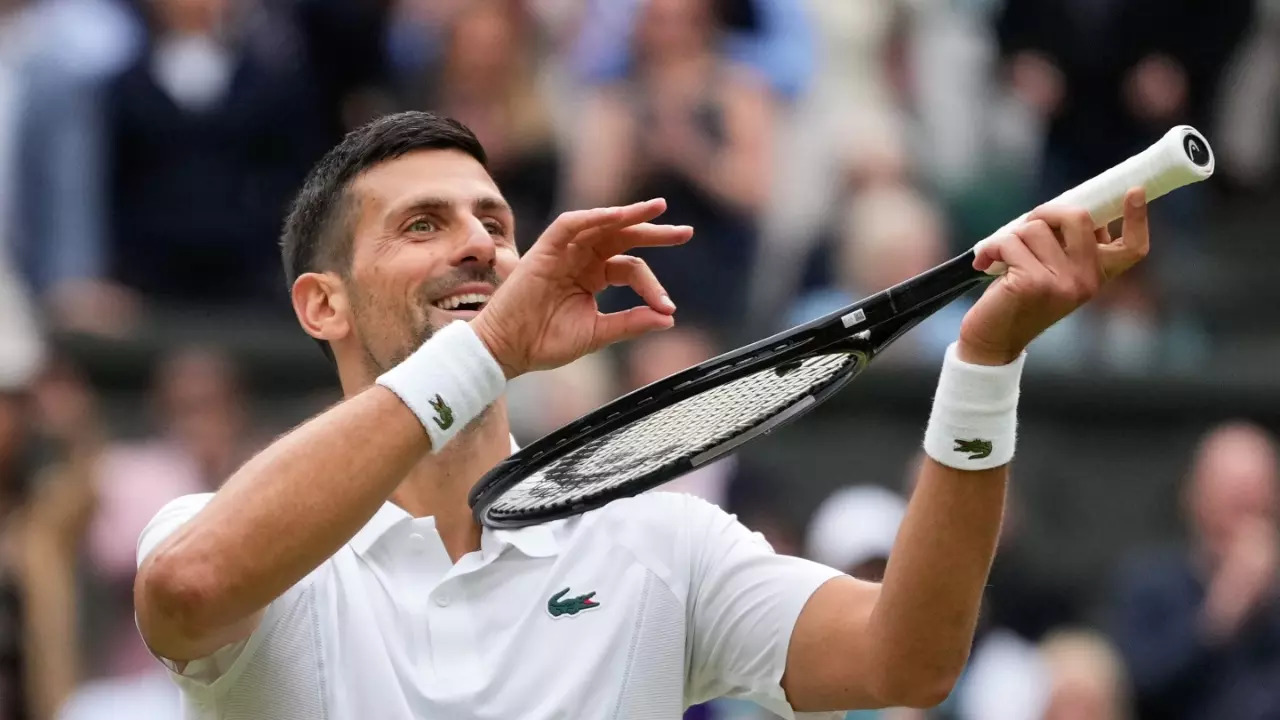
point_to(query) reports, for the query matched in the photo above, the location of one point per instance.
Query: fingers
(1007, 249)
(1075, 229)
(574, 224)
(1117, 256)
(629, 271)
(626, 270)
(1039, 238)
(619, 241)
(628, 324)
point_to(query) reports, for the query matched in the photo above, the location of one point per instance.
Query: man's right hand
(545, 314)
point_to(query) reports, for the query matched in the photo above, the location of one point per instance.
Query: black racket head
(660, 432)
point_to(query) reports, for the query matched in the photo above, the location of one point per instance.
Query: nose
(478, 245)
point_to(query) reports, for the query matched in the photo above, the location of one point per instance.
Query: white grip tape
(447, 382)
(1182, 157)
(973, 424)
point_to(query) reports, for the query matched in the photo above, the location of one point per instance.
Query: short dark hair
(317, 234)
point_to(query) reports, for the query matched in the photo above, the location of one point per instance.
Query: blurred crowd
(822, 149)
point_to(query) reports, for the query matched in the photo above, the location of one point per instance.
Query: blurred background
(823, 149)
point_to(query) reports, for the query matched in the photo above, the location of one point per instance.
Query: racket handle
(1180, 158)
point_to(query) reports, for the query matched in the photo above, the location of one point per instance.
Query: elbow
(175, 597)
(918, 688)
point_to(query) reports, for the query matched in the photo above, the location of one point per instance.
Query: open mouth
(464, 302)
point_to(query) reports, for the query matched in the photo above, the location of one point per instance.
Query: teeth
(450, 303)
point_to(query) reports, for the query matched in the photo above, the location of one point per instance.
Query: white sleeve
(744, 600)
(204, 672)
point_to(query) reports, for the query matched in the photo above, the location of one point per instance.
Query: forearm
(279, 517)
(927, 613)
(925, 620)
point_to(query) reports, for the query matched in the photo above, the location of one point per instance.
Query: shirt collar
(387, 517)
(535, 541)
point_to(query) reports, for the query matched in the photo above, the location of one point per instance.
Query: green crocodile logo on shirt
(977, 449)
(559, 605)
(444, 413)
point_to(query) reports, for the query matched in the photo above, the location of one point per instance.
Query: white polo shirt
(636, 610)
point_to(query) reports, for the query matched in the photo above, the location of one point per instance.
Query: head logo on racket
(1197, 149)
(977, 449)
(560, 606)
(444, 413)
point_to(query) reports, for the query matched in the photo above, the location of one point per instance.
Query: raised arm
(298, 501)
(905, 642)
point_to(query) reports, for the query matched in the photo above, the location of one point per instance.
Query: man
(340, 573)
(1199, 626)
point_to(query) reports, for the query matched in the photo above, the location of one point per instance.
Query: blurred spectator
(1086, 678)
(201, 437)
(774, 37)
(46, 498)
(889, 234)
(853, 530)
(689, 126)
(1111, 76)
(1199, 627)
(58, 53)
(1108, 78)
(848, 128)
(68, 413)
(344, 42)
(42, 518)
(542, 402)
(1248, 139)
(22, 349)
(209, 133)
(489, 76)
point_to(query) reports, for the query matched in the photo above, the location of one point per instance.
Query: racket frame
(862, 329)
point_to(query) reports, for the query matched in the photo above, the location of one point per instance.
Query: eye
(495, 227)
(423, 225)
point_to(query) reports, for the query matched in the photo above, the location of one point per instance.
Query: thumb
(627, 325)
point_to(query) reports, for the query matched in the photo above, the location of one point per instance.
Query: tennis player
(339, 574)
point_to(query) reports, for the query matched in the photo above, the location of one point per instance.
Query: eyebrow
(439, 204)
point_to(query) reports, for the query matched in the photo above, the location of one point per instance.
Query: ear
(321, 304)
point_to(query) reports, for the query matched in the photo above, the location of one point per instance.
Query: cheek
(505, 262)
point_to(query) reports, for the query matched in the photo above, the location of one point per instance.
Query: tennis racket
(682, 422)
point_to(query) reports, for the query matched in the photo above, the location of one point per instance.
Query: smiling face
(432, 240)
(427, 238)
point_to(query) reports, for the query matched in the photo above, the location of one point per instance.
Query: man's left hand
(1057, 261)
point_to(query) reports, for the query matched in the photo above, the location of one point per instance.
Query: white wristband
(447, 382)
(973, 424)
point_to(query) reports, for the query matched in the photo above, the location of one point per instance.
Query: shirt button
(419, 543)
(442, 600)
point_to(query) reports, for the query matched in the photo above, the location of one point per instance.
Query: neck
(438, 485)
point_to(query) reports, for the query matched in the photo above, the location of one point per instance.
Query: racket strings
(679, 432)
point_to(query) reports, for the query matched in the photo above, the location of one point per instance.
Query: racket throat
(763, 428)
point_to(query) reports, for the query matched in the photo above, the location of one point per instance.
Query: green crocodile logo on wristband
(444, 413)
(977, 449)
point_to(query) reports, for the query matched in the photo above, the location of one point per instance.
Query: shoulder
(668, 513)
(671, 533)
